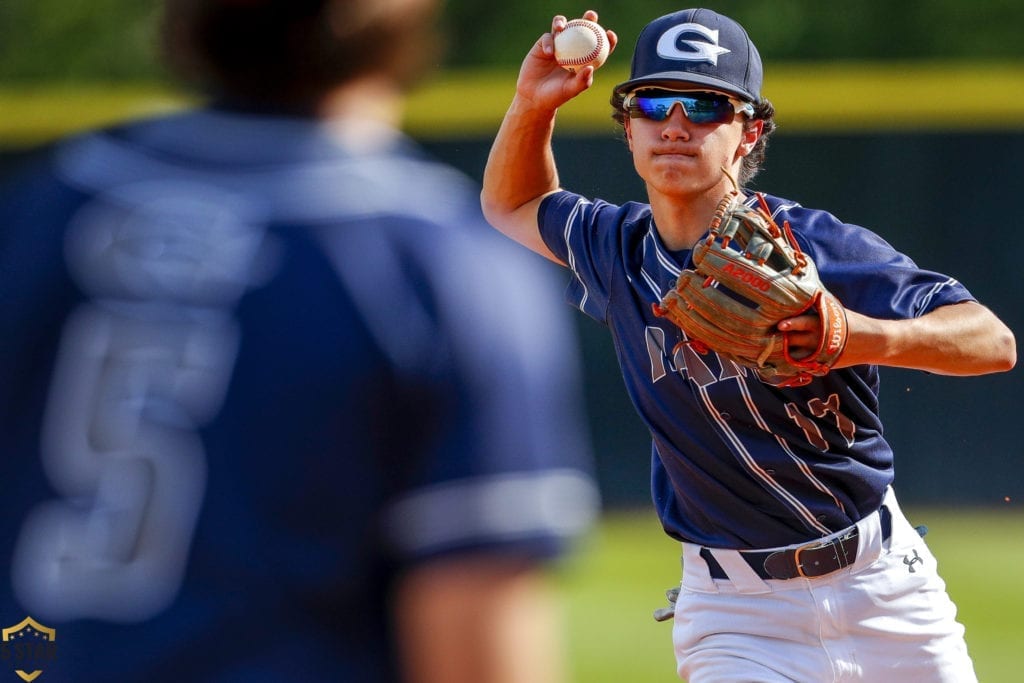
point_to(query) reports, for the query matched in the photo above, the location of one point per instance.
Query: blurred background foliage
(75, 40)
(789, 30)
(111, 40)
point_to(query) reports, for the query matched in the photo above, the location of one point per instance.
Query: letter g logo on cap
(669, 45)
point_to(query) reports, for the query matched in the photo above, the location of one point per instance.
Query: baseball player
(260, 419)
(798, 564)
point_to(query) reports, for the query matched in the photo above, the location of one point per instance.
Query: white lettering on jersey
(141, 367)
(684, 360)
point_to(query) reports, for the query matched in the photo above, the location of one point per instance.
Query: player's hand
(803, 333)
(804, 336)
(545, 84)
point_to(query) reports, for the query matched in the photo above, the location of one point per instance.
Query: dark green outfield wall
(951, 201)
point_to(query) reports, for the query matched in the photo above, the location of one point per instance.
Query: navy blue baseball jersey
(738, 463)
(250, 370)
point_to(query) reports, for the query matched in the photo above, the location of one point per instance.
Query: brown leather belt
(807, 561)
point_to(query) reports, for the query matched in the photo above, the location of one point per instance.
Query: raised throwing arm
(521, 169)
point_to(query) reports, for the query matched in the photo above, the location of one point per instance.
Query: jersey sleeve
(868, 274)
(584, 235)
(488, 450)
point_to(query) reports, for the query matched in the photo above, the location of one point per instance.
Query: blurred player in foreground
(797, 562)
(260, 417)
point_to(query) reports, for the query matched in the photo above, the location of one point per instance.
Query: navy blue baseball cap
(695, 46)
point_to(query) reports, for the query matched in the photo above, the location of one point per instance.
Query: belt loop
(696, 573)
(872, 537)
(740, 573)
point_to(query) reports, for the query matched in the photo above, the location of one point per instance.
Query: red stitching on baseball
(590, 56)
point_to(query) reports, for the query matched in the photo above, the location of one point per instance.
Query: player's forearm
(520, 168)
(960, 339)
(521, 165)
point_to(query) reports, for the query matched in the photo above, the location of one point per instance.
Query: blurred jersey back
(247, 373)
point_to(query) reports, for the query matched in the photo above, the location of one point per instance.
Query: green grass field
(620, 574)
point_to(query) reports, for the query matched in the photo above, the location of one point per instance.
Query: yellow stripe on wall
(809, 98)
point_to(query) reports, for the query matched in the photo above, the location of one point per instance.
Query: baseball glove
(748, 275)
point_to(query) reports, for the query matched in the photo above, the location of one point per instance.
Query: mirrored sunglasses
(699, 107)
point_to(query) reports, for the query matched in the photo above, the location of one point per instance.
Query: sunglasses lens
(699, 107)
(654, 108)
(709, 109)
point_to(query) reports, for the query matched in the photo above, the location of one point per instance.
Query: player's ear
(751, 134)
(629, 132)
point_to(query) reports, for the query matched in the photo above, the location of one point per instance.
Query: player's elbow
(518, 222)
(1006, 345)
(986, 343)
(999, 351)
(507, 216)
(1003, 344)
(494, 211)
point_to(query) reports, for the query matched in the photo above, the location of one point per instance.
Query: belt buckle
(796, 557)
(835, 544)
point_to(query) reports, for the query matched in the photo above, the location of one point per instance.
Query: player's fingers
(802, 335)
(802, 340)
(546, 43)
(584, 78)
(613, 40)
(801, 323)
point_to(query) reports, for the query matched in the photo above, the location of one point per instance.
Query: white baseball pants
(885, 618)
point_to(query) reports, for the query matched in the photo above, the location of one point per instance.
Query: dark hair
(752, 163)
(764, 111)
(289, 53)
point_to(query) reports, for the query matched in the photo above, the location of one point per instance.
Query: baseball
(582, 43)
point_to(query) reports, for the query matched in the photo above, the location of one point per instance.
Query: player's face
(679, 158)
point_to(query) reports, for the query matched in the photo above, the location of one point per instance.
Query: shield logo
(29, 646)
